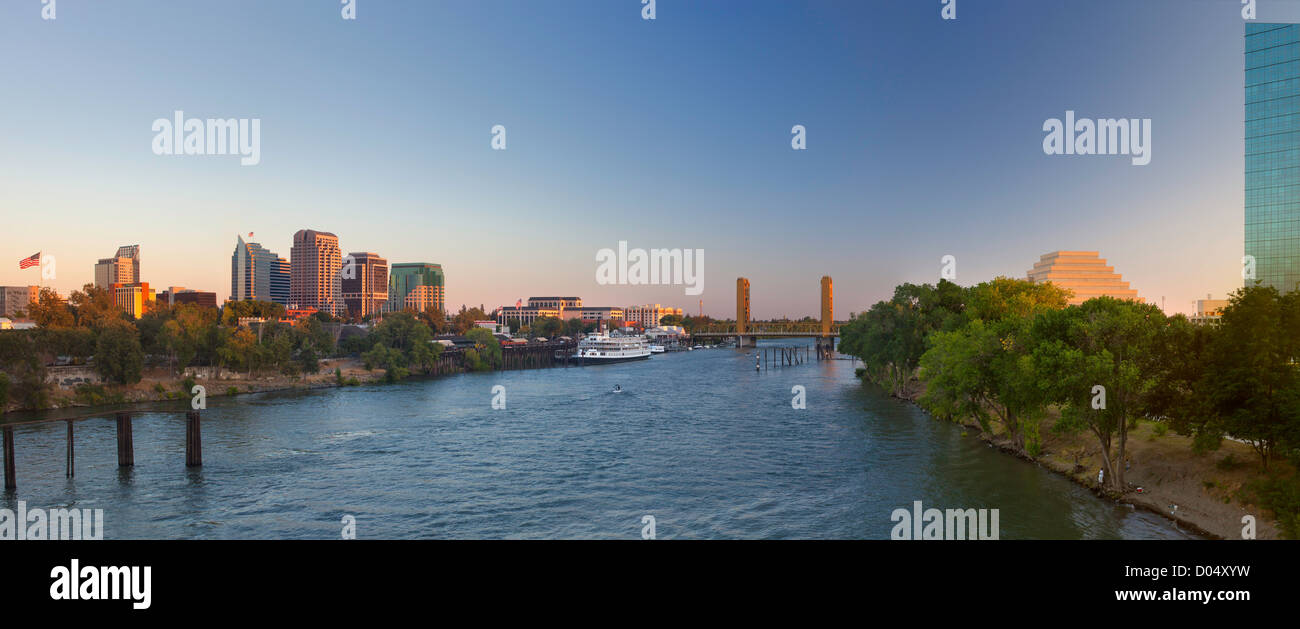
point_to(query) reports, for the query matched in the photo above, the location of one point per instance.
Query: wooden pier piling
(193, 440)
(72, 467)
(125, 446)
(11, 479)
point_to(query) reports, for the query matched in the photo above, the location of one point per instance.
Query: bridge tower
(742, 314)
(826, 342)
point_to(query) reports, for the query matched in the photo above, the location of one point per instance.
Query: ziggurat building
(1082, 272)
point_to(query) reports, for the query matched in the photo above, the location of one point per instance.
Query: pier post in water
(125, 446)
(11, 479)
(72, 466)
(193, 440)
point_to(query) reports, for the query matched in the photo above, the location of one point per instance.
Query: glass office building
(258, 274)
(1273, 153)
(403, 278)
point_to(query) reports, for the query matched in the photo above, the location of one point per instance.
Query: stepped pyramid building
(1082, 272)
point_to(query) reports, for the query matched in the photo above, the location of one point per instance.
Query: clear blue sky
(924, 139)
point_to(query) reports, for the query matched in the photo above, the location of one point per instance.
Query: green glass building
(405, 277)
(1273, 153)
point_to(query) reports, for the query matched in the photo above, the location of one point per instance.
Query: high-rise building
(1273, 153)
(123, 268)
(364, 282)
(315, 262)
(422, 298)
(405, 277)
(176, 295)
(1083, 273)
(14, 299)
(257, 274)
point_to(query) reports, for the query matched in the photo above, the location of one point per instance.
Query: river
(699, 440)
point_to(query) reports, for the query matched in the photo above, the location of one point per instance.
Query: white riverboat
(605, 348)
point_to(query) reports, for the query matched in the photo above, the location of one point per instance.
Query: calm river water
(699, 440)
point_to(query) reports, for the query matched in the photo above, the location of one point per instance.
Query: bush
(1282, 497)
(232, 390)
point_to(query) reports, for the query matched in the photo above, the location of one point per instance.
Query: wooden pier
(125, 441)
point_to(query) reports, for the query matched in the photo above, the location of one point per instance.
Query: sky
(924, 138)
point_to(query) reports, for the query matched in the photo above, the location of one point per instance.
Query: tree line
(1010, 353)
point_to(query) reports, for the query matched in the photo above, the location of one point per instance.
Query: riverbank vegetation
(89, 330)
(1010, 356)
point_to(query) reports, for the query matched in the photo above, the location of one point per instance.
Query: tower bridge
(747, 332)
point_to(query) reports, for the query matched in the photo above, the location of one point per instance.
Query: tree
(51, 311)
(547, 327)
(668, 320)
(486, 353)
(118, 355)
(1252, 381)
(20, 359)
(574, 327)
(95, 307)
(1098, 362)
(464, 321)
(891, 337)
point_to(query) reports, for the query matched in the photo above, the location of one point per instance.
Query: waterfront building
(1272, 152)
(425, 278)
(314, 262)
(133, 298)
(559, 303)
(1083, 273)
(525, 315)
(15, 299)
(364, 284)
(123, 268)
(257, 274)
(610, 315)
(649, 315)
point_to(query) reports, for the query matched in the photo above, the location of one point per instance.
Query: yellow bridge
(747, 332)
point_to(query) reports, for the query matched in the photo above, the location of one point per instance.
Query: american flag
(519, 303)
(30, 261)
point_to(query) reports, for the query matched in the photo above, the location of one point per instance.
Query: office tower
(364, 283)
(15, 299)
(314, 263)
(1083, 273)
(405, 277)
(257, 274)
(123, 268)
(132, 298)
(1272, 150)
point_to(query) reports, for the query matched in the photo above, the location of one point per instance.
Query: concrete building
(176, 295)
(405, 278)
(257, 274)
(123, 268)
(649, 315)
(610, 315)
(364, 283)
(1209, 311)
(314, 263)
(133, 298)
(525, 315)
(1083, 273)
(14, 299)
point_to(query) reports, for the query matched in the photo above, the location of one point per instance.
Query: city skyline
(678, 138)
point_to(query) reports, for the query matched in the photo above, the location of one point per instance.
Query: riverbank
(1206, 488)
(160, 385)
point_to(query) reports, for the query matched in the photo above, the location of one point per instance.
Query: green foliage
(890, 338)
(118, 355)
(232, 390)
(96, 395)
(546, 327)
(1281, 495)
(486, 353)
(22, 360)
